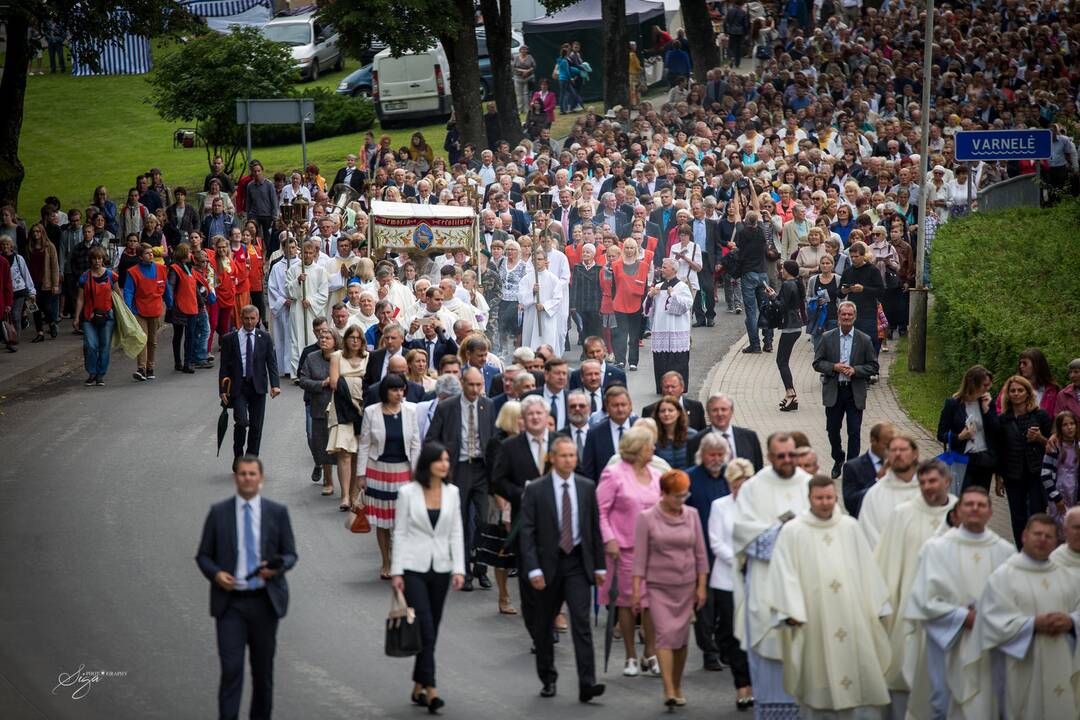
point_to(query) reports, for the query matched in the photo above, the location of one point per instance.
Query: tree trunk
(463, 56)
(616, 53)
(699, 31)
(497, 23)
(13, 90)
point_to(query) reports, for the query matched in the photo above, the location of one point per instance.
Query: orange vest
(185, 299)
(149, 292)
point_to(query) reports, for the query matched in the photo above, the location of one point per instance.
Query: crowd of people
(438, 387)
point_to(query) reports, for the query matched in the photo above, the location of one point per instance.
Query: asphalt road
(103, 493)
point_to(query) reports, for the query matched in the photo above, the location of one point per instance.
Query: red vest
(185, 299)
(149, 292)
(97, 295)
(255, 266)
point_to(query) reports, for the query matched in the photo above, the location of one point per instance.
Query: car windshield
(291, 34)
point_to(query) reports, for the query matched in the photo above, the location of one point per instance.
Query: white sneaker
(631, 668)
(652, 666)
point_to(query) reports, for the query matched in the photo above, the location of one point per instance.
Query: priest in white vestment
(342, 266)
(281, 305)
(669, 304)
(828, 599)
(539, 324)
(1030, 610)
(559, 266)
(906, 530)
(952, 572)
(896, 486)
(1068, 555)
(766, 502)
(308, 286)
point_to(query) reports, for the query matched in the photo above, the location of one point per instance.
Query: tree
(704, 53)
(616, 53)
(203, 79)
(90, 25)
(497, 23)
(408, 26)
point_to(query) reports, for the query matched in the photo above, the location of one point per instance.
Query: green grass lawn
(922, 394)
(78, 133)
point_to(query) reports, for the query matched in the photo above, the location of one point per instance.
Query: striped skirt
(383, 481)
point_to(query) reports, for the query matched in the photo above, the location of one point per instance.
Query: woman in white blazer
(722, 579)
(386, 455)
(429, 556)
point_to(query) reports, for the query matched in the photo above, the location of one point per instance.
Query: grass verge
(921, 395)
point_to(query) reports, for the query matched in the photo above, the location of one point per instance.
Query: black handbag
(892, 279)
(772, 310)
(494, 548)
(402, 630)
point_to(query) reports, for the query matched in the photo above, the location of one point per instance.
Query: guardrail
(1019, 191)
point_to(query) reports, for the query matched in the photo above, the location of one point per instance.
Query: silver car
(314, 44)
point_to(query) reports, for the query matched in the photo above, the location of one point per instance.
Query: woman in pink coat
(546, 98)
(670, 557)
(626, 489)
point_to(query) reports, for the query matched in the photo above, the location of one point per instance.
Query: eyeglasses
(783, 456)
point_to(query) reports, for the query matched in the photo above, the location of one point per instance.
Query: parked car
(417, 85)
(357, 83)
(314, 45)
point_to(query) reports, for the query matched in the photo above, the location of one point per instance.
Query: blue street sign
(975, 145)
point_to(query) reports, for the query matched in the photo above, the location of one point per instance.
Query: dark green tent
(581, 22)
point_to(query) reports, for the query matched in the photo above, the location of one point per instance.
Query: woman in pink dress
(670, 573)
(626, 489)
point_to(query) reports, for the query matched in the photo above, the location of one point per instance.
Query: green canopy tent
(581, 21)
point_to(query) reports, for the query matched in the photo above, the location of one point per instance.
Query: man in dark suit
(350, 175)
(589, 379)
(464, 425)
(476, 349)
(556, 373)
(393, 337)
(672, 384)
(434, 342)
(577, 426)
(250, 364)
(414, 392)
(706, 235)
(743, 442)
(609, 374)
(521, 459)
(846, 360)
(861, 473)
(664, 216)
(242, 537)
(603, 439)
(563, 555)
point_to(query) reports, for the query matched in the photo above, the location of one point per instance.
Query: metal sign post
(290, 111)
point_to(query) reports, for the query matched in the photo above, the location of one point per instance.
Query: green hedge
(1006, 281)
(334, 115)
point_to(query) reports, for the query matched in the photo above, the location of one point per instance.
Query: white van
(411, 86)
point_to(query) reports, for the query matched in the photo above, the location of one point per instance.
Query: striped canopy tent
(220, 15)
(126, 55)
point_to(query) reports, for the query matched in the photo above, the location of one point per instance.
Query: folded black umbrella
(612, 612)
(223, 418)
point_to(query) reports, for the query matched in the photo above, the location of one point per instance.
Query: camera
(742, 184)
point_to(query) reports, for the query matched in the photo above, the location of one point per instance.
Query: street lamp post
(918, 316)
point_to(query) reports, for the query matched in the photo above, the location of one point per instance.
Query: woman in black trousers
(793, 299)
(1023, 429)
(969, 426)
(428, 556)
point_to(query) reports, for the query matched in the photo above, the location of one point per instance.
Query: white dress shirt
(242, 336)
(241, 547)
(560, 405)
(538, 447)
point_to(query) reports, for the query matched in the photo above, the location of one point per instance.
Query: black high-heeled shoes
(419, 698)
(434, 704)
(789, 403)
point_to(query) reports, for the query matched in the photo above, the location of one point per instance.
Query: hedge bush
(334, 115)
(1006, 281)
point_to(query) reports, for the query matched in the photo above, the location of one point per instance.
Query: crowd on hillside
(789, 194)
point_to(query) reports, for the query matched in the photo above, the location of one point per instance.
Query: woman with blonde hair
(624, 491)
(507, 425)
(417, 361)
(1023, 430)
(346, 410)
(809, 256)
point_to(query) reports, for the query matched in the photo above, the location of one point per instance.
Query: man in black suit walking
(861, 473)
(609, 374)
(671, 384)
(562, 554)
(250, 364)
(664, 218)
(743, 442)
(464, 425)
(246, 548)
(603, 438)
(846, 360)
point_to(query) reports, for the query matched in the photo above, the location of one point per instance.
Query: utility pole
(918, 316)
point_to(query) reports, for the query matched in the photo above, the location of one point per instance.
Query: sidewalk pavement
(36, 363)
(753, 381)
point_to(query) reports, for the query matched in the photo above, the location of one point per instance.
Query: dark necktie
(592, 401)
(566, 530)
(620, 434)
(580, 442)
(250, 354)
(555, 408)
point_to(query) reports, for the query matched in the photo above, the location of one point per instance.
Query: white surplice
(545, 330)
(315, 289)
(559, 266)
(276, 295)
(880, 501)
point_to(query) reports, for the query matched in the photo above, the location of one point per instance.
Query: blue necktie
(249, 543)
(555, 408)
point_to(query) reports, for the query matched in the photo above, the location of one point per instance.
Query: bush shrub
(334, 115)
(1006, 281)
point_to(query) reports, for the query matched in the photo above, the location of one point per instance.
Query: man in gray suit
(846, 360)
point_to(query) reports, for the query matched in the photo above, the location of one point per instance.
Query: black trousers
(266, 227)
(844, 409)
(735, 49)
(730, 653)
(783, 357)
(249, 406)
(627, 332)
(529, 599)
(472, 483)
(572, 587)
(705, 309)
(1026, 497)
(426, 594)
(706, 625)
(180, 323)
(591, 325)
(249, 622)
(258, 299)
(664, 362)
